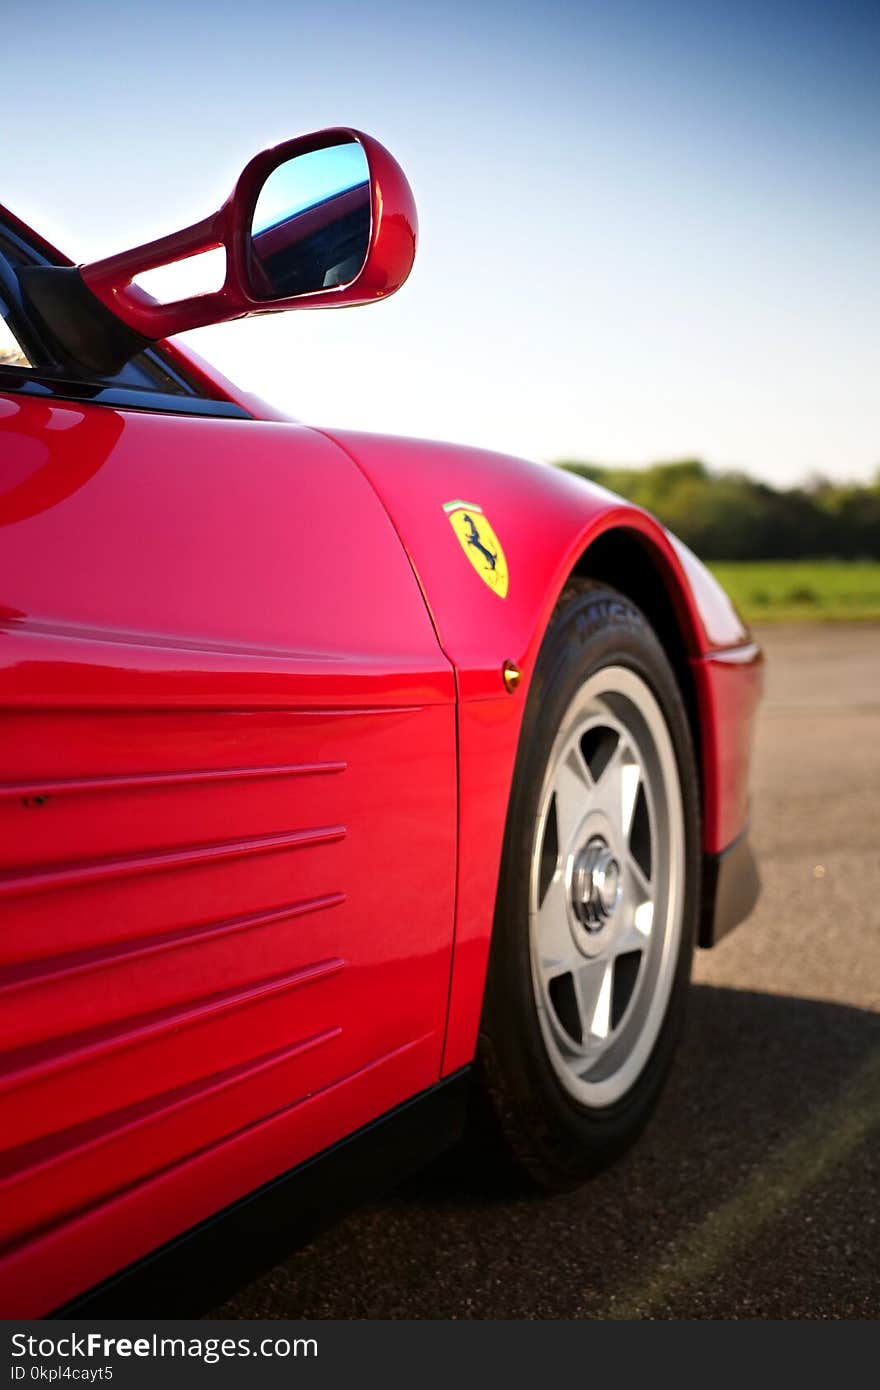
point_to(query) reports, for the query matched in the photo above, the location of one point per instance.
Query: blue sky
(647, 230)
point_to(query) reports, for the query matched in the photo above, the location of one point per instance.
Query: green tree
(730, 516)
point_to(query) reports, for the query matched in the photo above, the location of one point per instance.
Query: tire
(598, 895)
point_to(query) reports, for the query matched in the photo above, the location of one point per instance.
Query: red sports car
(350, 785)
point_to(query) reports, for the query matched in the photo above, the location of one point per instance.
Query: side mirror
(318, 222)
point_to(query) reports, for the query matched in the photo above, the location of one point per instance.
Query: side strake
(227, 826)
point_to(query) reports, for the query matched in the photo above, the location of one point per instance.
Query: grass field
(798, 591)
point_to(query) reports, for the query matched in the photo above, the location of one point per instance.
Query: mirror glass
(311, 224)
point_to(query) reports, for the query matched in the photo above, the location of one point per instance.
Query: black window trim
(30, 381)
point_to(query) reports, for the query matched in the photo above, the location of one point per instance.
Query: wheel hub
(597, 885)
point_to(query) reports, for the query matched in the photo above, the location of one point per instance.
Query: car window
(12, 354)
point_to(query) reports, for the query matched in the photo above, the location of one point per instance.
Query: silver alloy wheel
(606, 886)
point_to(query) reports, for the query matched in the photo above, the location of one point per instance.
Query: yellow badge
(479, 543)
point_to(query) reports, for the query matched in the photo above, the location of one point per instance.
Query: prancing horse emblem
(479, 543)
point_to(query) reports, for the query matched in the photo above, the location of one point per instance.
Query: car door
(227, 815)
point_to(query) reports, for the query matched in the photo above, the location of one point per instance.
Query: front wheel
(598, 894)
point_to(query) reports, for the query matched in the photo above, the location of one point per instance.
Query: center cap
(596, 885)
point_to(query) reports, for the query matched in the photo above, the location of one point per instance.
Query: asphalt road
(755, 1191)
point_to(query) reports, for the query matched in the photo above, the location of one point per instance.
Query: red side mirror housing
(251, 284)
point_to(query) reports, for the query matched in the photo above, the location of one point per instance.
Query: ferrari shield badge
(479, 543)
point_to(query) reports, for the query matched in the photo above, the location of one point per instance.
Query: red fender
(545, 520)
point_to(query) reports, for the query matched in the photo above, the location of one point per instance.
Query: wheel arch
(625, 560)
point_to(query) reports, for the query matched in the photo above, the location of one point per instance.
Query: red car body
(257, 754)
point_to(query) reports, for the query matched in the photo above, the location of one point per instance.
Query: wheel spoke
(643, 919)
(552, 935)
(593, 982)
(637, 934)
(640, 909)
(618, 788)
(573, 787)
(639, 887)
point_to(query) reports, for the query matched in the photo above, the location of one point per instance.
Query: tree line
(730, 516)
